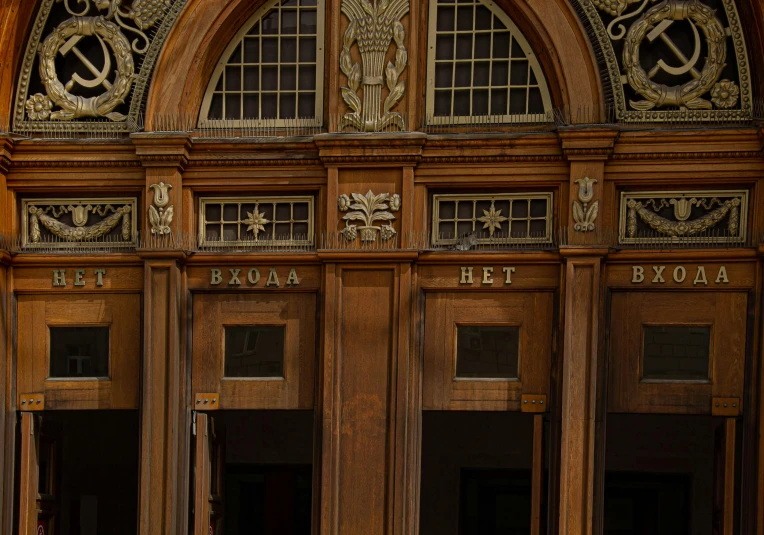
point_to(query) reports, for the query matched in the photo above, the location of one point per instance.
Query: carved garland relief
(675, 60)
(62, 222)
(373, 25)
(711, 216)
(115, 41)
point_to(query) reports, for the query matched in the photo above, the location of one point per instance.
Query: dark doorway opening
(663, 474)
(89, 466)
(477, 473)
(268, 473)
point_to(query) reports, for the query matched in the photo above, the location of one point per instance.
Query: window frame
(509, 118)
(257, 17)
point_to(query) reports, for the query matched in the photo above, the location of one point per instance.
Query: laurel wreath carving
(688, 94)
(75, 106)
(38, 216)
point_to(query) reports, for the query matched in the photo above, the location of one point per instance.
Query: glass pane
(487, 351)
(79, 351)
(676, 352)
(254, 351)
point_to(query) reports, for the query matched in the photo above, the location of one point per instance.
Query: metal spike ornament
(373, 25)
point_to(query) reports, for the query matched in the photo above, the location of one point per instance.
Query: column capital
(162, 149)
(588, 142)
(6, 151)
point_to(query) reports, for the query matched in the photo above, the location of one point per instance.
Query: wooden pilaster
(579, 394)
(7, 382)
(165, 416)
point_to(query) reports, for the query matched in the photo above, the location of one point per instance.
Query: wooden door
(724, 478)
(209, 469)
(243, 328)
(38, 507)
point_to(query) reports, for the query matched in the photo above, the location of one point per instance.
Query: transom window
(479, 64)
(272, 72)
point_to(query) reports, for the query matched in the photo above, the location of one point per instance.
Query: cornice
(47, 164)
(363, 149)
(508, 158)
(705, 155)
(254, 162)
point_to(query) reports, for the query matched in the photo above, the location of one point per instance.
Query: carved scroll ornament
(373, 25)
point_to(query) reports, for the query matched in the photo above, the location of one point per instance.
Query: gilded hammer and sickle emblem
(100, 76)
(689, 64)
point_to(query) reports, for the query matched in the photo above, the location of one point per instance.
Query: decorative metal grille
(489, 219)
(480, 64)
(54, 224)
(683, 217)
(273, 68)
(256, 221)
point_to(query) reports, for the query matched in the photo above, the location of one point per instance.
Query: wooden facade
(369, 375)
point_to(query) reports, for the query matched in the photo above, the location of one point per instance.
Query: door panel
(218, 316)
(38, 477)
(722, 313)
(531, 313)
(115, 386)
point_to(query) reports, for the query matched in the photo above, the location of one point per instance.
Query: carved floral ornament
(373, 25)
(584, 214)
(369, 209)
(160, 215)
(116, 41)
(673, 59)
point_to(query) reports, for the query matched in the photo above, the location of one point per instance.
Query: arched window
(479, 64)
(272, 71)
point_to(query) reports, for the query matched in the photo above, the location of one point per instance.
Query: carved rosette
(374, 24)
(367, 210)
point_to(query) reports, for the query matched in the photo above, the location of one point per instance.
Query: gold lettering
(637, 274)
(234, 277)
(677, 270)
(78, 274)
(722, 276)
(658, 273)
(508, 271)
(59, 277)
(215, 277)
(273, 279)
(99, 276)
(700, 276)
(487, 278)
(466, 276)
(292, 279)
(253, 276)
